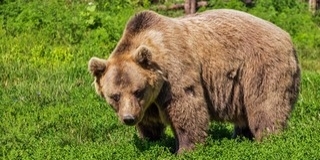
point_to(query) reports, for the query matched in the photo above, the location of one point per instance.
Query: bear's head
(130, 83)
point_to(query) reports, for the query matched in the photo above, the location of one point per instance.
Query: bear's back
(237, 31)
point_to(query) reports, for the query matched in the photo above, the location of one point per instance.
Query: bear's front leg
(151, 126)
(189, 120)
(151, 131)
(184, 140)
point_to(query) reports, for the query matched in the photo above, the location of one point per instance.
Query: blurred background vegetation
(60, 31)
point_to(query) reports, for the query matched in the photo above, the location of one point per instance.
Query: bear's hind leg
(242, 132)
(262, 124)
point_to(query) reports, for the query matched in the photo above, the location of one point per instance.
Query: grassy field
(49, 109)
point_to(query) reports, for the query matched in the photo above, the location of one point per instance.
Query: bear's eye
(115, 97)
(139, 93)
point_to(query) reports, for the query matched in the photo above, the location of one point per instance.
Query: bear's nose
(128, 119)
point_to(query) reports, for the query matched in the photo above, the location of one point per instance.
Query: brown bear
(222, 65)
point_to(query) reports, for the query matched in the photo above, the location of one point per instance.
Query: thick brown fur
(221, 65)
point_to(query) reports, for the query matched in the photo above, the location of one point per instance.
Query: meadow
(49, 109)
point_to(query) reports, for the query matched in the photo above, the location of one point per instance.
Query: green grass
(49, 109)
(55, 114)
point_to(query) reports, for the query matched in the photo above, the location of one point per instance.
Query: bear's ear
(143, 56)
(97, 66)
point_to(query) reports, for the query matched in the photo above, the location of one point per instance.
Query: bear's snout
(129, 119)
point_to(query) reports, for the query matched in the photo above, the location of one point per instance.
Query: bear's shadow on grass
(146, 145)
(216, 132)
(219, 131)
